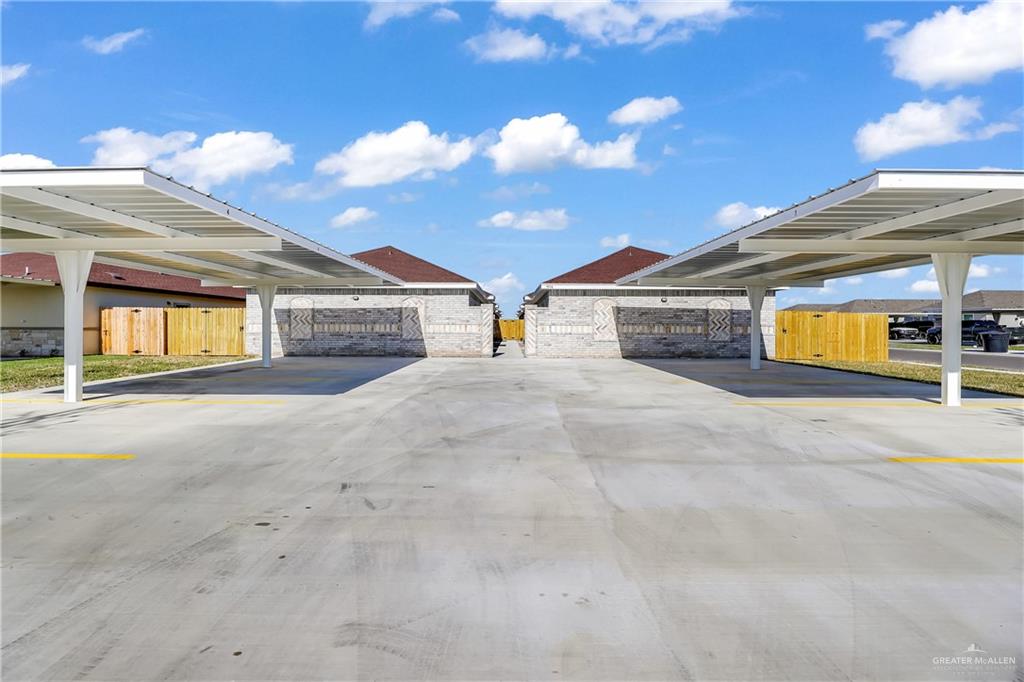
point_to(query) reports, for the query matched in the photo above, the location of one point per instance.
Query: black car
(909, 329)
(969, 331)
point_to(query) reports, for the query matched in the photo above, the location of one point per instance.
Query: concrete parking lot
(359, 518)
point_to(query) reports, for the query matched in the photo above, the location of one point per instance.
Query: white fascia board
(142, 244)
(73, 177)
(950, 180)
(207, 202)
(640, 287)
(306, 282)
(812, 205)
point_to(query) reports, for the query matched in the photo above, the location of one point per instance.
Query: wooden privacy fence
(512, 329)
(172, 331)
(853, 337)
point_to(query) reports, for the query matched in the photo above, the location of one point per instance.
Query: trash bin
(995, 341)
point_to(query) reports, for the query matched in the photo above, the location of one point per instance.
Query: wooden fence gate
(512, 329)
(172, 331)
(205, 331)
(851, 337)
(132, 331)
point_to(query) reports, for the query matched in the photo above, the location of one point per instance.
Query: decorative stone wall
(618, 322)
(31, 342)
(372, 321)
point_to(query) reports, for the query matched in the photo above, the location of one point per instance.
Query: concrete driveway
(477, 519)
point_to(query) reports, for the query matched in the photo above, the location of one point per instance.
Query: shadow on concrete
(288, 376)
(783, 380)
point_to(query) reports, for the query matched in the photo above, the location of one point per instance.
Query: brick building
(436, 313)
(583, 313)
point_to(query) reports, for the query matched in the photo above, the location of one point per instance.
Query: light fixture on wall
(664, 300)
(355, 298)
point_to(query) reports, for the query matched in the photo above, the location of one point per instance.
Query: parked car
(969, 331)
(899, 332)
(1016, 335)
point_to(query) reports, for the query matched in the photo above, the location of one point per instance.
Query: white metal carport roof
(885, 220)
(188, 233)
(136, 218)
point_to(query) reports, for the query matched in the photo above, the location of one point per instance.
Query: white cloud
(20, 161)
(925, 124)
(894, 274)
(984, 270)
(520, 191)
(643, 110)
(380, 158)
(603, 22)
(445, 15)
(507, 45)
(231, 155)
(404, 198)
(112, 43)
(738, 214)
(669, 150)
(353, 215)
(383, 11)
(923, 286)
(954, 47)
(545, 142)
(505, 284)
(828, 288)
(620, 241)
(884, 29)
(853, 280)
(12, 72)
(529, 221)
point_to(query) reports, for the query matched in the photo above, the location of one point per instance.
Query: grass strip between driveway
(19, 375)
(1006, 383)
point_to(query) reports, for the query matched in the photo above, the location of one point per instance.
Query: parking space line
(147, 401)
(981, 405)
(60, 455)
(958, 460)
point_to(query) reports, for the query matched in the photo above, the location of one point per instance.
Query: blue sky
(494, 139)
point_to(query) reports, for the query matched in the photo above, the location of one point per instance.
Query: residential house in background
(32, 304)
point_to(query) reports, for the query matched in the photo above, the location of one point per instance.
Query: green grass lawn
(18, 375)
(997, 382)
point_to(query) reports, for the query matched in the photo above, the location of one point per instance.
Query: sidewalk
(509, 350)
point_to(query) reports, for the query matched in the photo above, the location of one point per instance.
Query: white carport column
(951, 272)
(73, 267)
(266, 293)
(756, 297)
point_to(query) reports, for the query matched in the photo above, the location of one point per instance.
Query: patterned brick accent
(688, 323)
(369, 321)
(28, 342)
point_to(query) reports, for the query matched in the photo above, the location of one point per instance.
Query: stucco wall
(407, 322)
(32, 315)
(616, 323)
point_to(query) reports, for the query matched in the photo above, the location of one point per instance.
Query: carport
(888, 219)
(137, 218)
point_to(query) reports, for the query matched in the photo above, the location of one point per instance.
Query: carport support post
(266, 293)
(951, 272)
(756, 297)
(73, 267)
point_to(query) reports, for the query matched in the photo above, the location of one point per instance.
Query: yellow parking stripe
(146, 401)
(958, 460)
(60, 455)
(980, 405)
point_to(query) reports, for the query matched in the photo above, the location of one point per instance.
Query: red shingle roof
(610, 268)
(41, 266)
(407, 267)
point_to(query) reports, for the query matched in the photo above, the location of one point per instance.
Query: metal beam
(976, 203)
(207, 264)
(967, 235)
(43, 229)
(689, 282)
(159, 269)
(63, 203)
(142, 244)
(299, 282)
(880, 246)
(278, 262)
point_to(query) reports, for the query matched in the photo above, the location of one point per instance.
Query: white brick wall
(406, 322)
(688, 323)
